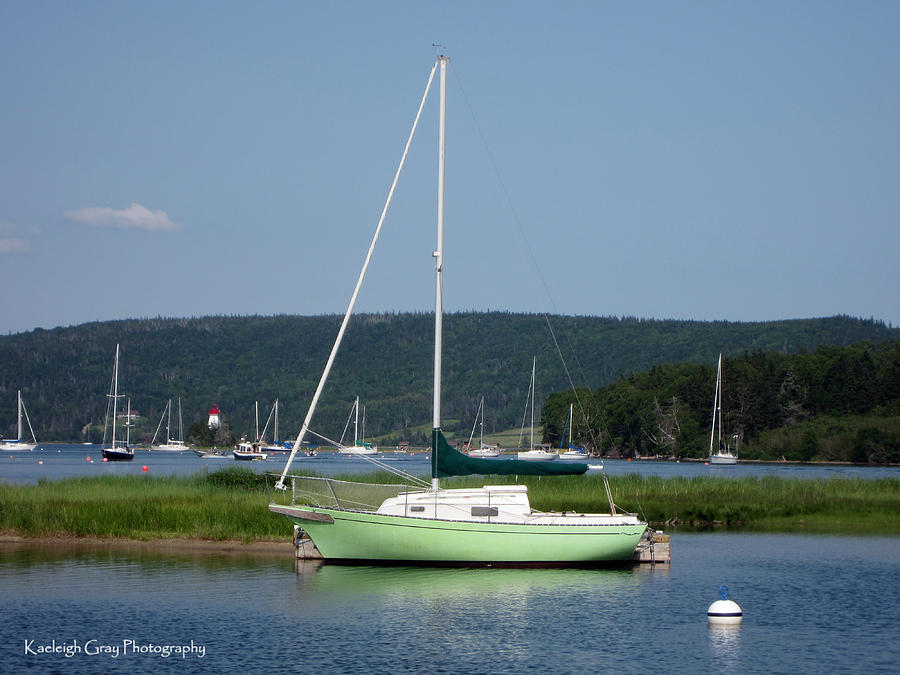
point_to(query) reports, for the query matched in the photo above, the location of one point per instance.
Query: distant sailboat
(116, 450)
(275, 446)
(171, 444)
(721, 454)
(572, 452)
(482, 450)
(18, 443)
(535, 453)
(359, 447)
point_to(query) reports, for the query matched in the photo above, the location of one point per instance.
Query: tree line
(386, 360)
(832, 403)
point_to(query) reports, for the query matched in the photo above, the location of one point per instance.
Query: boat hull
(249, 456)
(170, 447)
(209, 454)
(485, 452)
(365, 537)
(15, 446)
(537, 456)
(117, 455)
(723, 459)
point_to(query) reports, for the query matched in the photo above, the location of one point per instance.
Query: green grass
(231, 504)
(836, 505)
(142, 508)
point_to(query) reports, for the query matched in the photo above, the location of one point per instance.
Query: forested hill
(386, 359)
(832, 404)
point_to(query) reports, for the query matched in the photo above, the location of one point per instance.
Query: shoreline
(510, 453)
(261, 548)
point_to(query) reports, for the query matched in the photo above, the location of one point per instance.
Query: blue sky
(691, 160)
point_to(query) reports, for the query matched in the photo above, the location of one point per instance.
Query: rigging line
(525, 413)
(397, 472)
(535, 267)
(362, 273)
(336, 444)
(387, 467)
(28, 419)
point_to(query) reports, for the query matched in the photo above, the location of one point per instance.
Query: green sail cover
(447, 462)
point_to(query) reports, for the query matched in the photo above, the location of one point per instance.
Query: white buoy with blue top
(724, 611)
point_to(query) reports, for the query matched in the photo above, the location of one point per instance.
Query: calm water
(811, 604)
(62, 461)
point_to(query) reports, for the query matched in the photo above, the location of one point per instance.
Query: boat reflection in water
(429, 583)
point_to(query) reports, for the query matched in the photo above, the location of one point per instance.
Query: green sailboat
(423, 523)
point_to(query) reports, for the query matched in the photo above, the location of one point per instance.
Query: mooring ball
(725, 611)
(144, 468)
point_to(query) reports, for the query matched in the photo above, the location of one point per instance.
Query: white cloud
(10, 245)
(135, 217)
(16, 238)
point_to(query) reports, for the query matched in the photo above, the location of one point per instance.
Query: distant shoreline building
(214, 420)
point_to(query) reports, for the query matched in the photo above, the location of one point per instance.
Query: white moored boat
(535, 453)
(18, 443)
(171, 444)
(359, 447)
(721, 453)
(482, 450)
(572, 452)
(248, 451)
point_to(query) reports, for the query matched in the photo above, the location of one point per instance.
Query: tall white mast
(169, 423)
(115, 397)
(719, 389)
(19, 426)
(482, 423)
(275, 437)
(356, 423)
(717, 408)
(279, 484)
(180, 423)
(533, 387)
(439, 259)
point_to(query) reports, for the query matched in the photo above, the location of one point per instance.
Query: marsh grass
(140, 507)
(231, 504)
(768, 503)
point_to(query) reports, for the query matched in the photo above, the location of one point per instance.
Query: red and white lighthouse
(214, 419)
